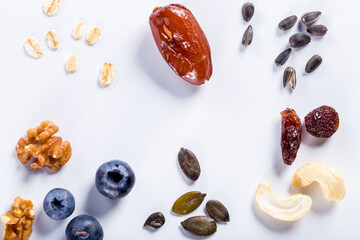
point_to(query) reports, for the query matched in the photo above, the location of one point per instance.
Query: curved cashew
(331, 182)
(290, 209)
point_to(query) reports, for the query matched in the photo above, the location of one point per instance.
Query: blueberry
(84, 227)
(114, 179)
(59, 203)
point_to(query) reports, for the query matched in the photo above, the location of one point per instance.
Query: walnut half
(19, 220)
(48, 150)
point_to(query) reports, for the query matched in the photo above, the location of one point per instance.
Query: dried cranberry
(290, 135)
(322, 122)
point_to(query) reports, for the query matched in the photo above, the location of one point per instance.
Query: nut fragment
(248, 36)
(32, 47)
(52, 39)
(283, 57)
(48, 151)
(72, 63)
(311, 17)
(19, 220)
(189, 164)
(217, 211)
(289, 209)
(317, 30)
(78, 30)
(52, 7)
(313, 63)
(289, 77)
(107, 74)
(188, 202)
(330, 180)
(93, 35)
(287, 23)
(200, 225)
(247, 11)
(155, 221)
(299, 40)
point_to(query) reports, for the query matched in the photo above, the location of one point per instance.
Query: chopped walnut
(19, 220)
(48, 151)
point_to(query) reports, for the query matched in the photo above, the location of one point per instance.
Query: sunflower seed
(299, 40)
(93, 35)
(248, 36)
(217, 211)
(72, 63)
(287, 23)
(317, 30)
(313, 63)
(51, 7)
(247, 11)
(155, 221)
(289, 77)
(311, 17)
(52, 39)
(188, 202)
(78, 30)
(189, 164)
(200, 226)
(283, 57)
(32, 47)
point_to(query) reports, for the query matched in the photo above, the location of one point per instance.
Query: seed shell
(201, 226)
(310, 17)
(155, 221)
(313, 63)
(317, 30)
(283, 57)
(287, 23)
(189, 164)
(299, 40)
(188, 202)
(247, 11)
(289, 77)
(217, 211)
(248, 36)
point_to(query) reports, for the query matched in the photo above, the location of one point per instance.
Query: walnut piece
(19, 220)
(48, 150)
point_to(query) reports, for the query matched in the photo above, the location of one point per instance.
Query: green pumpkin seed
(200, 226)
(155, 221)
(188, 202)
(217, 211)
(189, 164)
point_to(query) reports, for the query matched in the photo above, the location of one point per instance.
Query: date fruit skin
(322, 122)
(291, 133)
(182, 42)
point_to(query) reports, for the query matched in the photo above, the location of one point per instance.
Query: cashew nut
(290, 209)
(331, 182)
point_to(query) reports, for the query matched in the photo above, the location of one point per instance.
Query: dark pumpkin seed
(289, 77)
(201, 226)
(248, 36)
(247, 11)
(217, 211)
(189, 164)
(317, 30)
(287, 23)
(313, 63)
(188, 202)
(310, 17)
(299, 40)
(155, 221)
(283, 57)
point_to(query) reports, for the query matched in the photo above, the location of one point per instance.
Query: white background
(232, 123)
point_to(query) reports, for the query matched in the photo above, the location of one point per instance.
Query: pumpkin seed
(188, 202)
(155, 221)
(200, 225)
(248, 36)
(313, 63)
(287, 23)
(299, 40)
(247, 11)
(310, 17)
(189, 164)
(317, 30)
(289, 77)
(217, 211)
(283, 57)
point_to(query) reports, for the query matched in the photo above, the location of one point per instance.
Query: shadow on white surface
(191, 236)
(300, 26)
(44, 225)
(97, 204)
(270, 222)
(154, 65)
(319, 204)
(310, 140)
(278, 164)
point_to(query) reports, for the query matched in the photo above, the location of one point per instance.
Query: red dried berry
(322, 122)
(290, 135)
